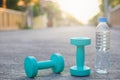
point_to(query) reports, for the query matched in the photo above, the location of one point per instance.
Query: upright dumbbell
(31, 65)
(80, 69)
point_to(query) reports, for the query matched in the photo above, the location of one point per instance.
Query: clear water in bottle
(102, 47)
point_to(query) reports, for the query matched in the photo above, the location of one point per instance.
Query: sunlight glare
(83, 10)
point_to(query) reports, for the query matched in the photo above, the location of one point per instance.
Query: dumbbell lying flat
(31, 65)
(80, 69)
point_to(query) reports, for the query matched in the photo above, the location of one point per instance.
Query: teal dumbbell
(31, 65)
(80, 69)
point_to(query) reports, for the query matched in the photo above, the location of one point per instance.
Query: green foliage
(12, 4)
(93, 20)
(53, 12)
(27, 1)
(20, 25)
(72, 20)
(38, 10)
(114, 3)
(1, 3)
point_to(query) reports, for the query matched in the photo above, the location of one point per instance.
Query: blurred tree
(72, 20)
(112, 3)
(38, 10)
(93, 20)
(53, 12)
(1, 2)
(13, 4)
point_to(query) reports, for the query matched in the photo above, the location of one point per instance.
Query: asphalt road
(16, 45)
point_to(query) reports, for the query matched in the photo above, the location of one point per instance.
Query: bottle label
(103, 40)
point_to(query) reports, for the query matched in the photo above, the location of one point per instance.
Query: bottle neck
(102, 26)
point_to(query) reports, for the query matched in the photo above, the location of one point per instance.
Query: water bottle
(102, 63)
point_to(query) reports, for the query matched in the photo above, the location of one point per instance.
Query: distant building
(115, 17)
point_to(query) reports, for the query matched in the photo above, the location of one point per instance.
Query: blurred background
(37, 14)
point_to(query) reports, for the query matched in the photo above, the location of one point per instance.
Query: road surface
(16, 45)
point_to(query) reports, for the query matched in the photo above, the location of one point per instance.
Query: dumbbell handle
(80, 57)
(45, 64)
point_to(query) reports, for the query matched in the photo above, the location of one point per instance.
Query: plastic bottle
(102, 47)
